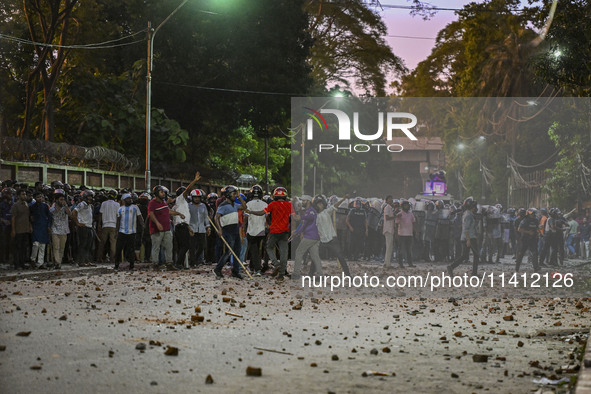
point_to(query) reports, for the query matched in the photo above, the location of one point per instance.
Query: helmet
(521, 212)
(439, 204)
(134, 196)
(396, 203)
(112, 194)
(180, 190)
(499, 207)
(429, 204)
(213, 195)
(228, 190)
(158, 188)
(57, 193)
(145, 196)
(469, 203)
(511, 211)
(544, 211)
(280, 192)
(403, 202)
(87, 193)
(57, 185)
(256, 191)
(197, 193)
(531, 211)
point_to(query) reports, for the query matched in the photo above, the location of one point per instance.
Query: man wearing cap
(127, 218)
(310, 238)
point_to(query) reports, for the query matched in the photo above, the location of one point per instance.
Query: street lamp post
(151, 35)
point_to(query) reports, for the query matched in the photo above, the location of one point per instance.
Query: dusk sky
(400, 22)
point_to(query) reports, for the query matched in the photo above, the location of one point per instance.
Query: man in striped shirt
(127, 218)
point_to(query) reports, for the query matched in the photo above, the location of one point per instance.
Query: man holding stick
(226, 221)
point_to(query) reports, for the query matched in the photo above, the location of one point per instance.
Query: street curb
(57, 274)
(584, 380)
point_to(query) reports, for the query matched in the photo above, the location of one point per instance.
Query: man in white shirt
(326, 230)
(182, 229)
(83, 219)
(255, 228)
(107, 223)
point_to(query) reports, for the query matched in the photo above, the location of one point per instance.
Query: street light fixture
(151, 35)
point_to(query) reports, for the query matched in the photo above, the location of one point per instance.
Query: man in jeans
(280, 209)
(469, 237)
(159, 217)
(226, 219)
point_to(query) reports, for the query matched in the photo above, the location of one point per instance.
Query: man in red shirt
(280, 210)
(159, 218)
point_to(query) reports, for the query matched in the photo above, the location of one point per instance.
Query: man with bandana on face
(127, 218)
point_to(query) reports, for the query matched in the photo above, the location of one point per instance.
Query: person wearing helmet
(391, 208)
(107, 227)
(159, 214)
(227, 227)
(310, 238)
(326, 230)
(182, 227)
(528, 228)
(358, 227)
(585, 233)
(200, 227)
(143, 231)
(128, 216)
(5, 224)
(405, 222)
(256, 226)
(40, 220)
(60, 228)
(214, 243)
(542, 234)
(469, 237)
(280, 210)
(21, 228)
(83, 218)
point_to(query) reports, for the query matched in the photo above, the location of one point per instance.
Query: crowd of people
(46, 226)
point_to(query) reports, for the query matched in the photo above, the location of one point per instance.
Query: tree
(564, 57)
(349, 45)
(49, 22)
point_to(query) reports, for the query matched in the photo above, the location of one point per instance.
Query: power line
(98, 45)
(435, 8)
(413, 37)
(228, 90)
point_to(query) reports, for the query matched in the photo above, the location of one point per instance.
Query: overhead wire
(98, 45)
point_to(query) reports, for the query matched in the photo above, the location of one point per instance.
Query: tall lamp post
(151, 35)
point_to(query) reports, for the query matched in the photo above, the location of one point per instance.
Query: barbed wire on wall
(63, 153)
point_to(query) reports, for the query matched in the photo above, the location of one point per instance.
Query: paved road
(84, 331)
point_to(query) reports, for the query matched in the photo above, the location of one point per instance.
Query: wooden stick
(273, 351)
(229, 247)
(233, 314)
